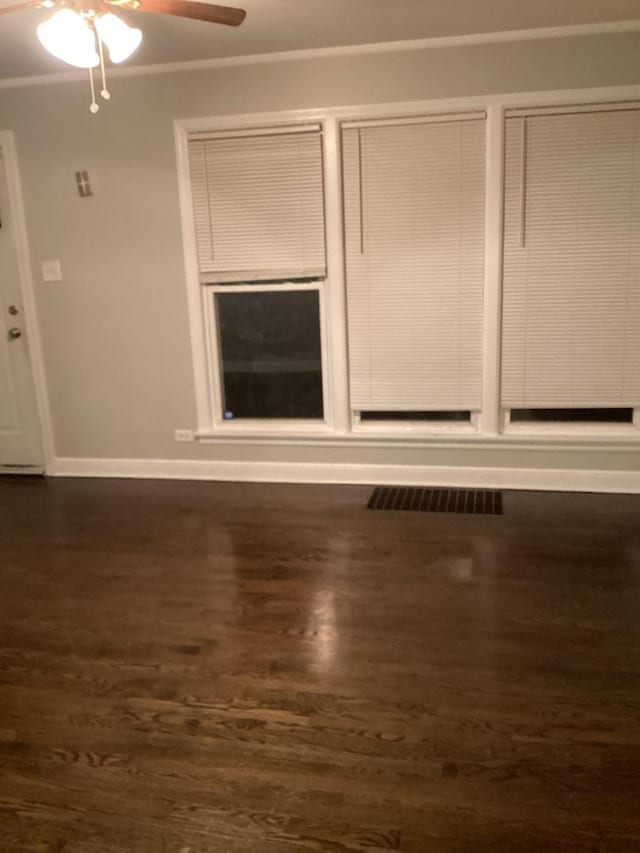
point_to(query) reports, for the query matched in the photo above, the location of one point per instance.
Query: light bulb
(68, 37)
(121, 40)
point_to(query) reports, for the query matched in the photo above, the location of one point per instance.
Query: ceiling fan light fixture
(67, 36)
(78, 32)
(121, 40)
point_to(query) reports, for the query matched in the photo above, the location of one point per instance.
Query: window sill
(514, 439)
(557, 430)
(415, 430)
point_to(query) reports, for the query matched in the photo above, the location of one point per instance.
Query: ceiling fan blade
(190, 9)
(15, 7)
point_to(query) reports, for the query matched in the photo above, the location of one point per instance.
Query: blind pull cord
(523, 183)
(360, 199)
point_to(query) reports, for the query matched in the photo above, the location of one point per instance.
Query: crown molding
(438, 42)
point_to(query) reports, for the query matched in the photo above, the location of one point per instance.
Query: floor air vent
(477, 501)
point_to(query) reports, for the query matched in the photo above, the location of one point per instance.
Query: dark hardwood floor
(198, 667)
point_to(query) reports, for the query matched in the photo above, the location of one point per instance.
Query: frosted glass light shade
(68, 37)
(121, 40)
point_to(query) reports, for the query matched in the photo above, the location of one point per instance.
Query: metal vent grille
(477, 501)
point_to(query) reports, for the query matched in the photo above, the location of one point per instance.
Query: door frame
(25, 275)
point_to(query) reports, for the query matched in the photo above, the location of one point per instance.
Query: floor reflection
(323, 628)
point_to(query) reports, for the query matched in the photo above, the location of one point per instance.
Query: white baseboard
(407, 475)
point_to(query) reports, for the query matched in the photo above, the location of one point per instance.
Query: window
(571, 292)
(407, 345)
(576, 416)
(432, 416)
(414, 228)
(258, 206)
(270, 353)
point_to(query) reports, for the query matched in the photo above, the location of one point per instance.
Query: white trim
(570, 429)
(264, 429)
(409, 475)
(436, 118)
(285, 130)
(493, 240)
(325, 377)
(435, 43)
(196, 294)
(314, 434)
(572, 109)
(215, 416)
(403, 109)
(233, 277)
(334, 349)
(33, 338)
(413, 429)
(273, 286)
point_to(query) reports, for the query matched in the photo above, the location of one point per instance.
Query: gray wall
(115, 332)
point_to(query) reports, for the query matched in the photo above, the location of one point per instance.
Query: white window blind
(258, 205)
(414, 223)
(571, 299)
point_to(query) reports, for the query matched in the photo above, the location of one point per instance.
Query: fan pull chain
(92, 106)
(106, 94)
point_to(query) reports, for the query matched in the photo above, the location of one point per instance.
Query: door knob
(14, 334)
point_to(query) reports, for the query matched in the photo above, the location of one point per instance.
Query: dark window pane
(270, 352)
(621, 416)
(416, 416)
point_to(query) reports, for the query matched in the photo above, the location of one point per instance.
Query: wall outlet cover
(51, 270)
(183, 435)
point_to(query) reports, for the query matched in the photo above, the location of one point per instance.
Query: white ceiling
(281, 25)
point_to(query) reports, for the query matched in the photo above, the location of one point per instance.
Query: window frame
(492, 427)
(362, 190)
(604, 429)
(416, 428)
(261, 425)
(205, 355)
(571, 429)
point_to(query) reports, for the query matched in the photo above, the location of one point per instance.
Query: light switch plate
(51, 270)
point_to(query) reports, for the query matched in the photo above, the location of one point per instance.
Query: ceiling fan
(79, 30)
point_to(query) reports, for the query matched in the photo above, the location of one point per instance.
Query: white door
(20, 441)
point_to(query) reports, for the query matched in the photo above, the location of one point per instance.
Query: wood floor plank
(198, 667)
